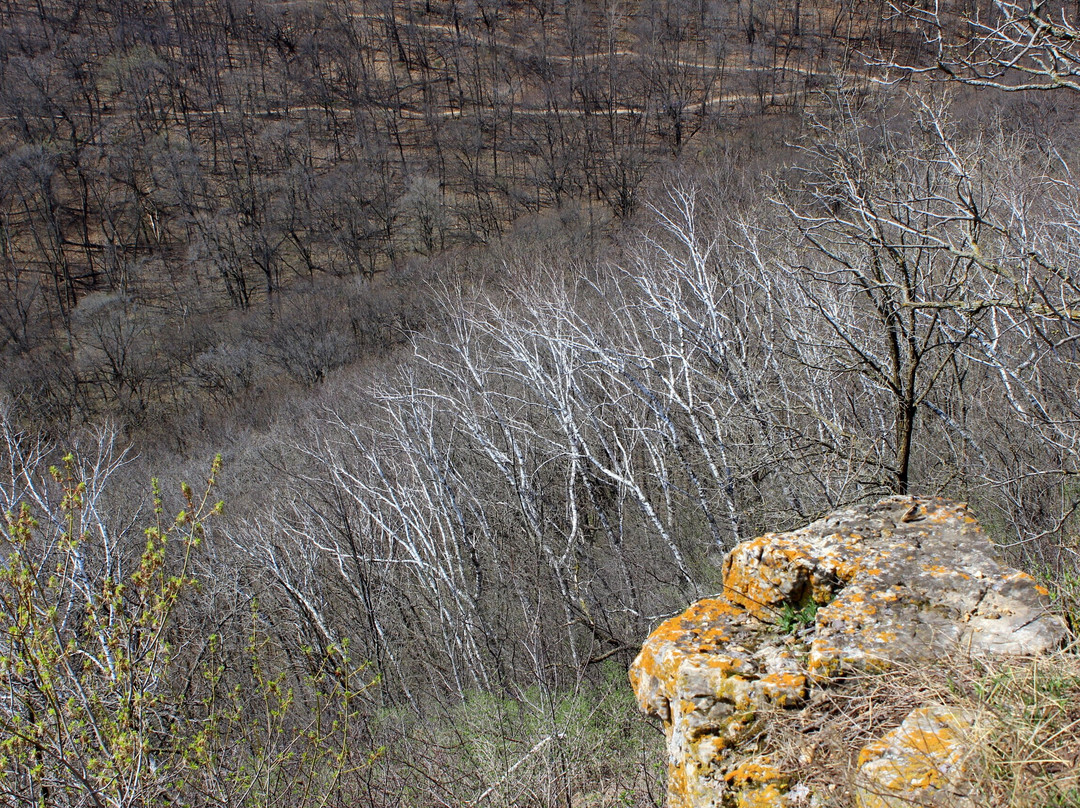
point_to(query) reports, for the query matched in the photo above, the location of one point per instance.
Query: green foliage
(792, 618)
(84, 661)
(95, 708)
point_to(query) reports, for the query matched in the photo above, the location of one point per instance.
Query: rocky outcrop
(903, 580)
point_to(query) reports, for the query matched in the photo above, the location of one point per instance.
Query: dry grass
(1029, 720)
(1032, 755)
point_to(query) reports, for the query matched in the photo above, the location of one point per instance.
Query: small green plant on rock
(793, 618)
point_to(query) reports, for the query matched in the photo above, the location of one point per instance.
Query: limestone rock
(925, 762)
(903, 580)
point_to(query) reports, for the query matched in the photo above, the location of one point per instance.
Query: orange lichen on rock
(924, 761)
(754, 771)
(757, 783)
(783, 689)
(902, 580)
(767, 796)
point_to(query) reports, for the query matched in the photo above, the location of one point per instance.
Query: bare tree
(1009, 45)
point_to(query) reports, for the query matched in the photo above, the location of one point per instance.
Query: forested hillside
(211, 171)
(507, 320)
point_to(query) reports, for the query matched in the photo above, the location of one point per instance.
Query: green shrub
(95, 708)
